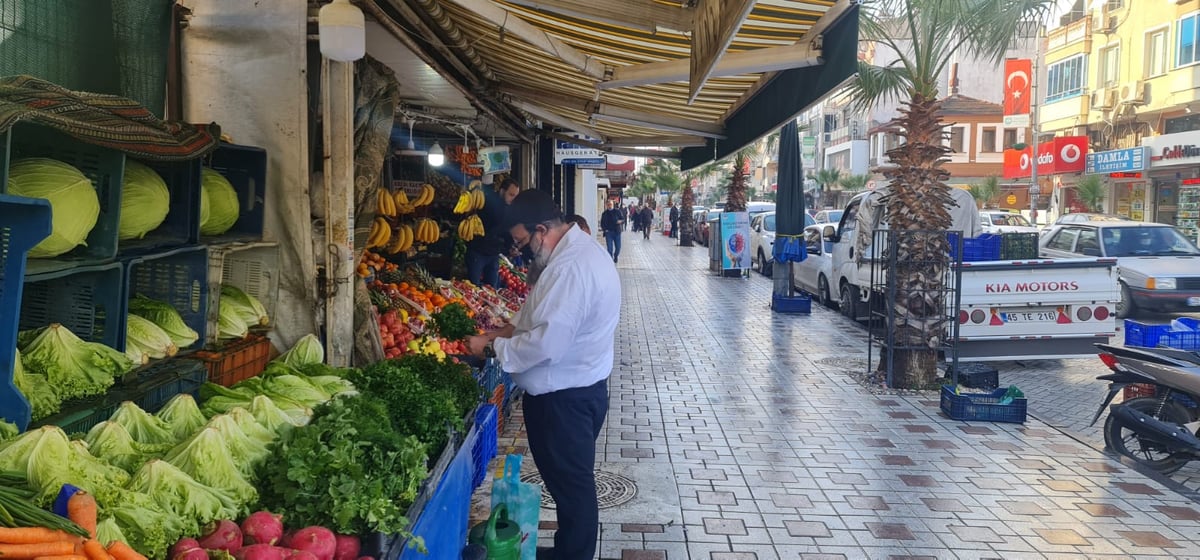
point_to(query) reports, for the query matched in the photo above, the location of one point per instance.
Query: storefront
(1124, 172)
(1175, 180)
(1058, 164)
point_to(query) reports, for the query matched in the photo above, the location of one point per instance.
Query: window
(769, 222)
(1185, 45)
(849, 220)
(1010, 137)
(957, 137)
(1064, 240)
(1110, 66)
(1089, 243)
(1066, 78)
(1156, 53)
(989, 140)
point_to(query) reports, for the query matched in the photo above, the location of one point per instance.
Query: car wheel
(823, 297)
(1126, 307)
(846, 302)
(764, 265)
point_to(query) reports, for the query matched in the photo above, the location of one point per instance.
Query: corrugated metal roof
(519, 65)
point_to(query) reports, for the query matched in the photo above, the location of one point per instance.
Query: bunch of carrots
(55, 538)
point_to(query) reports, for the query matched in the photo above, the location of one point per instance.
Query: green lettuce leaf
(182, 416)
(179, 494)
(143, 426)
(74, 368)
(42, 398)
(206, 459)
(166, 317)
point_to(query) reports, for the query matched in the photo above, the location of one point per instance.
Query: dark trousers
(562, 427)
(674, 228)
(483, 269)
(613, 240)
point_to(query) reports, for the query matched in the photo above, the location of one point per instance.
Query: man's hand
(476, 344)
(503, 332)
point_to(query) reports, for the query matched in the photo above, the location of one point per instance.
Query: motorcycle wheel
(1125, 441)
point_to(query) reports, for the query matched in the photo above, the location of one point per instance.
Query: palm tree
(853, 183)
(827, 179)
(986, 191)
(736, 201)
(926, 35)
(1091, 192)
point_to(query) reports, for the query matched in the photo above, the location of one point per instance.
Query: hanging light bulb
(342, 31)
(436, 156)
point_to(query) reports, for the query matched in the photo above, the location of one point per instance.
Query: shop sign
(1174, 149)
(495, 159)
(567, 153)
(1125, 175)
(735, 240)
(1064, 154)
(1117, 161)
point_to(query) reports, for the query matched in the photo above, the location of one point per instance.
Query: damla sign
(1174, 149)
(1117, 161)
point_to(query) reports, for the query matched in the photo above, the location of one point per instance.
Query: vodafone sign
(1064, 154)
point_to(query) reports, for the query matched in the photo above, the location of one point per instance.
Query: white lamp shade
(342, 30)
(436, 156)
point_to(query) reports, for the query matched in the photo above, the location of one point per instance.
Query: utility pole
(1034, 188)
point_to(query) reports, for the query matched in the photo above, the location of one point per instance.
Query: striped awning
(610, 69)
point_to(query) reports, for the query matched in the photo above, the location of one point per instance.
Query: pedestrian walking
(483, 252)
(632, 213)
(611, 222)
(673, 215)
(559, 349)
(647, 216)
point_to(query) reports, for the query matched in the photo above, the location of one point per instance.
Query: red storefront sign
(1064, 154)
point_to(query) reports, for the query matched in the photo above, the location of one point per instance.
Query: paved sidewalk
(745, 439)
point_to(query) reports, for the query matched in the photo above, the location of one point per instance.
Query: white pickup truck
(1009, 310)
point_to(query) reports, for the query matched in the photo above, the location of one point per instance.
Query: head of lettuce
(74, 205)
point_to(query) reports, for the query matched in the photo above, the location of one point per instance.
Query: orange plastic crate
(237, 360)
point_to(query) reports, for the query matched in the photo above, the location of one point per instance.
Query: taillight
(963, 317)
(1101, 313)
(1109, 360)
(978, 316)
(1083, 313)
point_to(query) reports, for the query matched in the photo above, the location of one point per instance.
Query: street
(737, 433)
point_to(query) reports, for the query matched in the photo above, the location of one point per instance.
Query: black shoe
(545, 553)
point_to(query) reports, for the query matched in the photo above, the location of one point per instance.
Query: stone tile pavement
(744, 442)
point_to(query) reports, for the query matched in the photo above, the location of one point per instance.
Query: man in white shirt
(559, 349)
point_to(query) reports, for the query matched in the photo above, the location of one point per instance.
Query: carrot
(63, 557)
(31, 535)
(95, 551)
(122, 551)
(26, 551)
(81, 509)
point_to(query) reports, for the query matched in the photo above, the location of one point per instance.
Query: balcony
(1074, 32)
(852, 131)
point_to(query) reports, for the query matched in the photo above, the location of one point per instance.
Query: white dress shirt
(565, 332)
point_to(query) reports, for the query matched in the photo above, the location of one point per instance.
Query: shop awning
(700, 78)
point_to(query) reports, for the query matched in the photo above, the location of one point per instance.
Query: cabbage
(250, 426)
(203, 206)
(307, 350)
(230, 323)
(332, 385)
(180, 494)
(36, 389)
(73, 367)
(111, 441)
(247, 306)
(206, 458)
(166, 317)
(145, 201)
(182, 416)
(8, 430)
(295, 389)
(145, 337)
(143, 426)
(223, 206)
(74, 205)
(276, 419)
(247, 452)
(48, 459)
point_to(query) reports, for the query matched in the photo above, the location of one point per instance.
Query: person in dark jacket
(483, 252)
(612, 221)
(647, 218)
(673, 215)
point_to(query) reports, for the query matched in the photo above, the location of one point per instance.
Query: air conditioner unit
(1103, 98)
(1133, 93)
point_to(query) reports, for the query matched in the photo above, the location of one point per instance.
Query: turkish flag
(1017, 72)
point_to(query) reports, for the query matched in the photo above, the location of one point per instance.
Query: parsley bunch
(453, 323)
(422, 399)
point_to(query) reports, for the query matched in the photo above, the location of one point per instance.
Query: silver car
(813, 273)
(1158, 267)
(1005, 222)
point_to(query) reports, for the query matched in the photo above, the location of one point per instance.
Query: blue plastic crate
(23, 223)
(158, 382)
(442, 521)
(486, 417)
(986, 247)
(178, 277)
(983, 406)
(88, 300)
(1142, 334)
(182, 225)
(791, 304)
(246, 169)
(79, 416)
(104, 166)
(1152, 336)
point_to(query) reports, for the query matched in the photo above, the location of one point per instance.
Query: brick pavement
(745, 444)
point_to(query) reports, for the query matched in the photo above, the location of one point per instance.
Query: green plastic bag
(523, 500)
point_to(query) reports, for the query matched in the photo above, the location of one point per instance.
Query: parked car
(754, 208)
(697, 220)
(813, 273)
(827, 216)
(1080, 217)
(762, 240)
(703, 224)
(1005, 222)
(1158, 267)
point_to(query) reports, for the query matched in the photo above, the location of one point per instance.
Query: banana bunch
(470, 228)
(387, 204)
(426, 195)
(427, 231)
(402, 241)
(469, 201)
(381, 233)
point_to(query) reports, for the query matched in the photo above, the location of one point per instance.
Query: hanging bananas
(427, 231)
(426, 196)
(387, 205)
(403, 240)
(470, 228)
(381, 233)
(470, 200)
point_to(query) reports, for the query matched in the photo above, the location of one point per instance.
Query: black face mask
(527, 253)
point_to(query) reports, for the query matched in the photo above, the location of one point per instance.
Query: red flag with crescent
(1017, 78)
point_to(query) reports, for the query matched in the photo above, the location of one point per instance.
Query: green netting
(101, 46)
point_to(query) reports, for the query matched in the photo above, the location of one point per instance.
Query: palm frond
(878, 85)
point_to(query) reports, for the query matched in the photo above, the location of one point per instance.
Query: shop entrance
(1166, 201)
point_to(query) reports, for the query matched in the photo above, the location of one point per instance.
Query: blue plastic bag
(523, 500)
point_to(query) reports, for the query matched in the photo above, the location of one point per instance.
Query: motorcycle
(1160, 430)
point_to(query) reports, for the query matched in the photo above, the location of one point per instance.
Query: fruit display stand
(246, 169)
(23, 223)
(178, 277)
(104, 167)
(251, 267)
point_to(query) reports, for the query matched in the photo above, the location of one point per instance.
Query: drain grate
(612, 489)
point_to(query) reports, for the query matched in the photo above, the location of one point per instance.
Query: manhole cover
(612, 489)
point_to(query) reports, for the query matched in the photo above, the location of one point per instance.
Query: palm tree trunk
(919, 201)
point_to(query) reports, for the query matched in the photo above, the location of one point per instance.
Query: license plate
(1031, 316)
(1193, 302)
